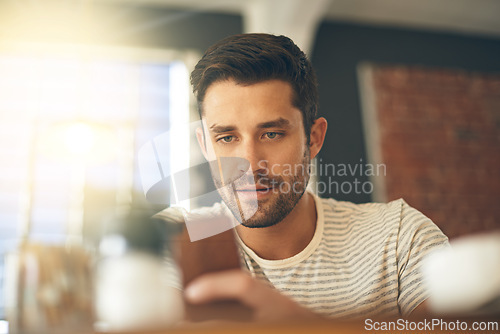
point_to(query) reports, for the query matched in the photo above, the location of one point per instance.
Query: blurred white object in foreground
(465, 279)
(133, 293)
(4, 327)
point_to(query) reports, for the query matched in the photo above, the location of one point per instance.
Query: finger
(231, 284)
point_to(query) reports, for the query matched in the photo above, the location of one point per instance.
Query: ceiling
(479, 17)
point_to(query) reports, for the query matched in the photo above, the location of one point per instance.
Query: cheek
(287, 163)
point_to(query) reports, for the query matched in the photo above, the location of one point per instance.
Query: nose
(253, 156)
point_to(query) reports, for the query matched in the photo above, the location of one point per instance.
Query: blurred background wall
(431, 77)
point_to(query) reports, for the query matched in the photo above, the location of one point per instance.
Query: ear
(318, 133)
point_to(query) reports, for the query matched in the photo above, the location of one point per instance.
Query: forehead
(228, 102)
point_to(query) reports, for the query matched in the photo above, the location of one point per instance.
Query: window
(71, 123)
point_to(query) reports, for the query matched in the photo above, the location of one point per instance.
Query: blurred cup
(48, 289)
(136, 287)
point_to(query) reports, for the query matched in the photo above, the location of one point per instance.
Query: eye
(226, 139)
(273, 135)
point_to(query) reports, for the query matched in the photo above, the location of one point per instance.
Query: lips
(260, 186)
(252, 193)
(253, 189)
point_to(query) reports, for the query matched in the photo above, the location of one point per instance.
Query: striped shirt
(363, 260)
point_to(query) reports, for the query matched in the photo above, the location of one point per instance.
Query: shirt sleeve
(418, 236)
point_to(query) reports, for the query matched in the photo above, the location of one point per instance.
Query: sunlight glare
(80, 138)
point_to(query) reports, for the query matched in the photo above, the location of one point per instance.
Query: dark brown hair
(253, 58)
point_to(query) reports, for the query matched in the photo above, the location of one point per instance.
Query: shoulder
(360, 207)
(419, 232)
(397, 210)
(369, 212)
(395, 217)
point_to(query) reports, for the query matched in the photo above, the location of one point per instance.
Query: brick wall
(440, 140)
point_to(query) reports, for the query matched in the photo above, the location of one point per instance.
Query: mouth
(248, 190)
(253, 193)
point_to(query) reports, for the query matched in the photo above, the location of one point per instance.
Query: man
(305, 256)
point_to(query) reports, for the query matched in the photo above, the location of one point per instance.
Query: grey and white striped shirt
(364, 260)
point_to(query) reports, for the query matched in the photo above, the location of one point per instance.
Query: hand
(268, 304)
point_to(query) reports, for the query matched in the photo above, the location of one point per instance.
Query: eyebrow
(278, 123)
(222, 128)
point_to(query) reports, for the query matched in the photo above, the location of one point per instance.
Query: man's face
(259, 123)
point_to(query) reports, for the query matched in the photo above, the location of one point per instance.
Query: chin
(255, 223)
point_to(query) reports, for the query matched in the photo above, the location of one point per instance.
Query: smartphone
(212, 254)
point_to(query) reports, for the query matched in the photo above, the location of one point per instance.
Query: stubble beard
(286, 193)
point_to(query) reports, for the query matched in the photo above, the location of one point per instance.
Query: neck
(287, 238)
